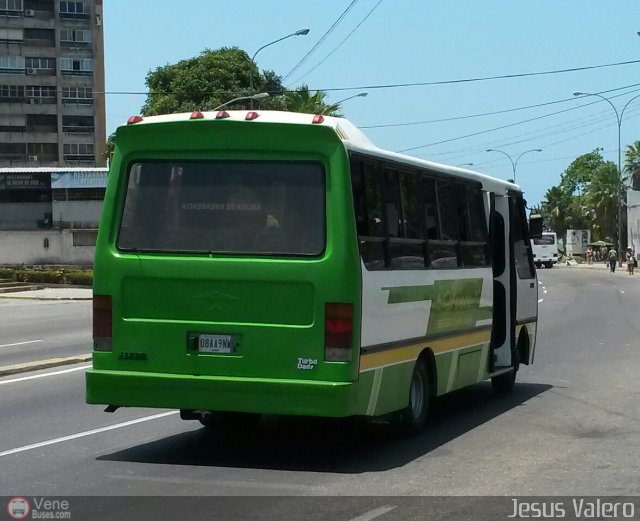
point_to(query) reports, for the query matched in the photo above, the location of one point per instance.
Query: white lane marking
(544, 291)
(44, 375)
(540, 300)
(622, 292)
(85, 433)
(372, 514)
(22, 343)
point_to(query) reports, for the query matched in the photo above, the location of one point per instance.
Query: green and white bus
(253, 262)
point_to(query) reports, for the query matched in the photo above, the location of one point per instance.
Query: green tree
(216, 77)
(632, 165)
(586, 197)
(109, 147)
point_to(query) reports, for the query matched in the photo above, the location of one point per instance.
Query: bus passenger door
(525, 291)
(503, 307)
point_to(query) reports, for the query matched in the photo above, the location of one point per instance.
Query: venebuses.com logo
(18, 508)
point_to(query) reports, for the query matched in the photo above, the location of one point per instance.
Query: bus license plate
(216, 344)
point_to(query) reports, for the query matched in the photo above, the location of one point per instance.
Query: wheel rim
(417, 395)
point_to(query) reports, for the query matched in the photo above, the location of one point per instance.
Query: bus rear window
(545, 240)
(236, 207)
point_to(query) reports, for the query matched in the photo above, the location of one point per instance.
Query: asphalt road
(36, 330)
(570, 427)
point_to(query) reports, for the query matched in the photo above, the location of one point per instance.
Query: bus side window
(520, 237)
(392, 214)
(430, 208)
(367, 203)
(475, 252)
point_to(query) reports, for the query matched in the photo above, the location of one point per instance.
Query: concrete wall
(28, 247)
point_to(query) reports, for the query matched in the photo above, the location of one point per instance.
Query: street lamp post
(359, 95)
(464, 164)
(514, 164)
(619, 179)
(299, 32)
(260, 95)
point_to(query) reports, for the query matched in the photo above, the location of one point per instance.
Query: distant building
(633, 220)
(52, 109)
(50, 215)
(32, 198)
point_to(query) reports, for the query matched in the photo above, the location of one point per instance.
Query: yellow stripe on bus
(408, 353)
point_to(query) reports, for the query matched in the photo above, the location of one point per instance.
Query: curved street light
(619, 179)
(464, 164)
(299, 32)
(359, 95)
(514, 164)
(260, 95)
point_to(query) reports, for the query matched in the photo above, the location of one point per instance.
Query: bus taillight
(338, 327)
(102, 322)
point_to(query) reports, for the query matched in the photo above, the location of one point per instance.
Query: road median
(43, 364)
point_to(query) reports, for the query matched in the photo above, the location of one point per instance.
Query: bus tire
(414, 417)
(229, 420)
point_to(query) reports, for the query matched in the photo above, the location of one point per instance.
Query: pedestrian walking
(613, 259)
(604, 255)
(630, 258)
(589, 256)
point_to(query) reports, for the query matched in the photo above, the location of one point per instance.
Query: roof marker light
(318, 118)
(222, 114)
(196, 114)
(251, 116)
(134, 119)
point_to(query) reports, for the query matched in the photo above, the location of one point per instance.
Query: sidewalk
(52, 293)
(599, 265)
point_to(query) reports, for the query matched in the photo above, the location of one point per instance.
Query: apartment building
(52, 104)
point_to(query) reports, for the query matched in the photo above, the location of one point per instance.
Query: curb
(42, 364)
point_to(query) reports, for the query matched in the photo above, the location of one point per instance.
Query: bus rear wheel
(414, 417)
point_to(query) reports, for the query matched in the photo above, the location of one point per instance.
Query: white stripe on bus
(375, 391)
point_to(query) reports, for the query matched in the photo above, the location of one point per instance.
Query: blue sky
(403, 42)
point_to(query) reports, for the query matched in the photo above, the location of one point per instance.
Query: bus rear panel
(223, 281)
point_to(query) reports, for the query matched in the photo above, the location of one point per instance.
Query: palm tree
(302, 100)
(632, 165)
(601, 196)
(554, 209)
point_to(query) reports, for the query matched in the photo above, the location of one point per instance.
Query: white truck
(545, 250)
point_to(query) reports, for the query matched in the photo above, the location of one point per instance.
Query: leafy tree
(586, 197)
(216, 77)
(632, 165)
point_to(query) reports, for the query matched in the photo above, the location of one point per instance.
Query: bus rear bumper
(206, 393)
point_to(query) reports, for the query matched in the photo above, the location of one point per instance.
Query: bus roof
(352, 137)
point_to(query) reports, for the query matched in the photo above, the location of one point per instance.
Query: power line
(419, 84)
(321, 40)
(500, 127)
(340, 44)
(483, 78)
(497, 112)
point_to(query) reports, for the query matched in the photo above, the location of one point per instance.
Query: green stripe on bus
(455, 304)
